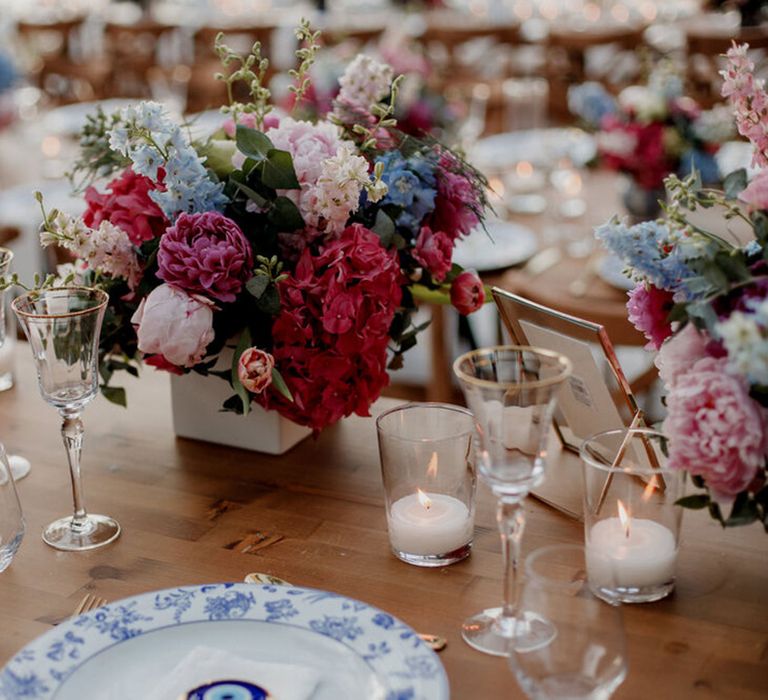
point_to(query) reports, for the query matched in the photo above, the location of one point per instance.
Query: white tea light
(429, 524)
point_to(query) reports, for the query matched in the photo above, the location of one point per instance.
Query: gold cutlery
(89, 602)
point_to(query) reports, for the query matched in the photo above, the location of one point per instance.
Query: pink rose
(467, 293)
(649, 309)
(680, 353)
(433, 250)
(716, 430)
(255, 370)
(755, 194)
(174, 324)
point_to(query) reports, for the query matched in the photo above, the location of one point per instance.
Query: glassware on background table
(428, 466)
(511, 391)
(586, 658)
(631, 522)
(11, 519)
(63, 326)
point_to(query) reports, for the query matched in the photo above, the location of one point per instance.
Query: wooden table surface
(193, 513)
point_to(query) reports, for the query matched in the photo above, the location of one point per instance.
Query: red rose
(467, 293)
(433, 250)
(254, 369)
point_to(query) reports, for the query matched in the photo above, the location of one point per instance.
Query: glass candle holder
(632, 525)
(428, 468)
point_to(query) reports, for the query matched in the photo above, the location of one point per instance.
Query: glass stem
(72, 434)
(511, 519)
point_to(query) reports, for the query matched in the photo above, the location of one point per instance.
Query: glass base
(6, 381)
(94, 531)
(491, 633)
(20, 466)
(434, 560)
(633, 594)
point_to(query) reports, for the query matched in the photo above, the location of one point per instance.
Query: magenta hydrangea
(205, 254)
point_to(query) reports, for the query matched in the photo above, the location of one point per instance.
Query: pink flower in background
(716, 430)
(649, 309)
(680, 353)
(207, 254)
(127, 205)
(248, 119)
(174, 324)
(254, 369)
(434, 250)
(755, 194)
(457, 202)
(467, 293)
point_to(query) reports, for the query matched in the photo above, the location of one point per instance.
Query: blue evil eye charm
(228, 690)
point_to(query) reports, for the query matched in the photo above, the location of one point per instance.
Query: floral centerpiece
(650, 131)
(702, 302)
(303, 245)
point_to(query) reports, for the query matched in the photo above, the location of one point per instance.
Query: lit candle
(630, 552)
(429, 524)
(525, 178)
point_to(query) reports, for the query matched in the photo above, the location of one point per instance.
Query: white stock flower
(746, 341)
(365, 82)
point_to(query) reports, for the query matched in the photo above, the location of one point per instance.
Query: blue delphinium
(590, 101)
(8, 74)
(152, 141)
(411, 186)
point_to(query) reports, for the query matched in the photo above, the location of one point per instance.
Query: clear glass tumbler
(586, 658)
(63, 326)
(511, 391)
(11, 519)
(428, 467)
(631, 522)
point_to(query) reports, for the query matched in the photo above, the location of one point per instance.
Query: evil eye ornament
(228, 690)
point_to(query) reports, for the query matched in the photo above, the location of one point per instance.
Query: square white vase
(197, 414)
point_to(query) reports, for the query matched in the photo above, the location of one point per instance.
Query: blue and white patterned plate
(121, 650)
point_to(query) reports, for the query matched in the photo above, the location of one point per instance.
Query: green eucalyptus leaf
(277, 171)
(252, 194)
(269, 301)
(695, 502)
(384, 228)
(252, 143)
(285, 215)
(115, 394)
(257, 284)
(734, 183)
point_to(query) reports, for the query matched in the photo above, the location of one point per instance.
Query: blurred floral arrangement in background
(702, 302)
(9, 77)
(301, 244)
(652, 130)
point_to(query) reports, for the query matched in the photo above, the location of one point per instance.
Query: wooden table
(193, 513)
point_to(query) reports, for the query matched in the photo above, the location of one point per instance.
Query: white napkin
(205, 665)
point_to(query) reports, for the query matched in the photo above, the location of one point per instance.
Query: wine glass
(511, 391)
(63, 326)
(11, 519)
(586, 658)
(20, 466)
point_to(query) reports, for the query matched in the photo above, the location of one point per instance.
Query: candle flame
(432, 467)
(624, 518)
(524, 169)
(425, 500)
(650, 487)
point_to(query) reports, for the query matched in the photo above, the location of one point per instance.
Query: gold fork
(89, 602)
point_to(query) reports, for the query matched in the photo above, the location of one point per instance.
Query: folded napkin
(204, 665)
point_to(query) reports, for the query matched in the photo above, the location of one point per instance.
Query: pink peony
(254, 368)
(174, 324)
(649, 309)
(680, 353)
(457, 203)
(248, 119)
(127, 205)
(467, 293)
(433, 250)
(207, 254)
(716, 430)
(755, 194)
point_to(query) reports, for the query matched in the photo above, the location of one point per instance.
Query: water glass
(6, 349)
(11, 519)
(631, 522)
(428, 466)
(585, 658)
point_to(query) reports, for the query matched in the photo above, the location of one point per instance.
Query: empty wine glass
(63, 326)
(511, 391)
(586, 657)
(11, 520)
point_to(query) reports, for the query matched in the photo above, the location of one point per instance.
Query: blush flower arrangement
(702, 302)
(300, 246)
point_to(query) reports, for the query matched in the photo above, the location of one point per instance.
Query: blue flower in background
(8, 74)
(412, 187)
(591, 102)
(705, 163)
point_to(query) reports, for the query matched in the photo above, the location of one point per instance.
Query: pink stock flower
(649, 309)
(174, 324)
(254, 369)
(716, 430)
(680, 353)
(467, 293)
(433, 249)
(206, 254)
(127, 205)
(755, 194)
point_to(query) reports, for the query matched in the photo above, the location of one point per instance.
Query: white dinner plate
(70, 119)
(503, 244)
(611, 270)
(123, 648)
(542, 147)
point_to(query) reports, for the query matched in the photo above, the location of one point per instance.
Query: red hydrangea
(127, 205)
(458, 202)
(205, 254)
(330, 339)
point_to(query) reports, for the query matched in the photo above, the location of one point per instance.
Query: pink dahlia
(649, 309)
(206, 254)
(458, 201)
(433, 250)
(716, 430)
(127, 205)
